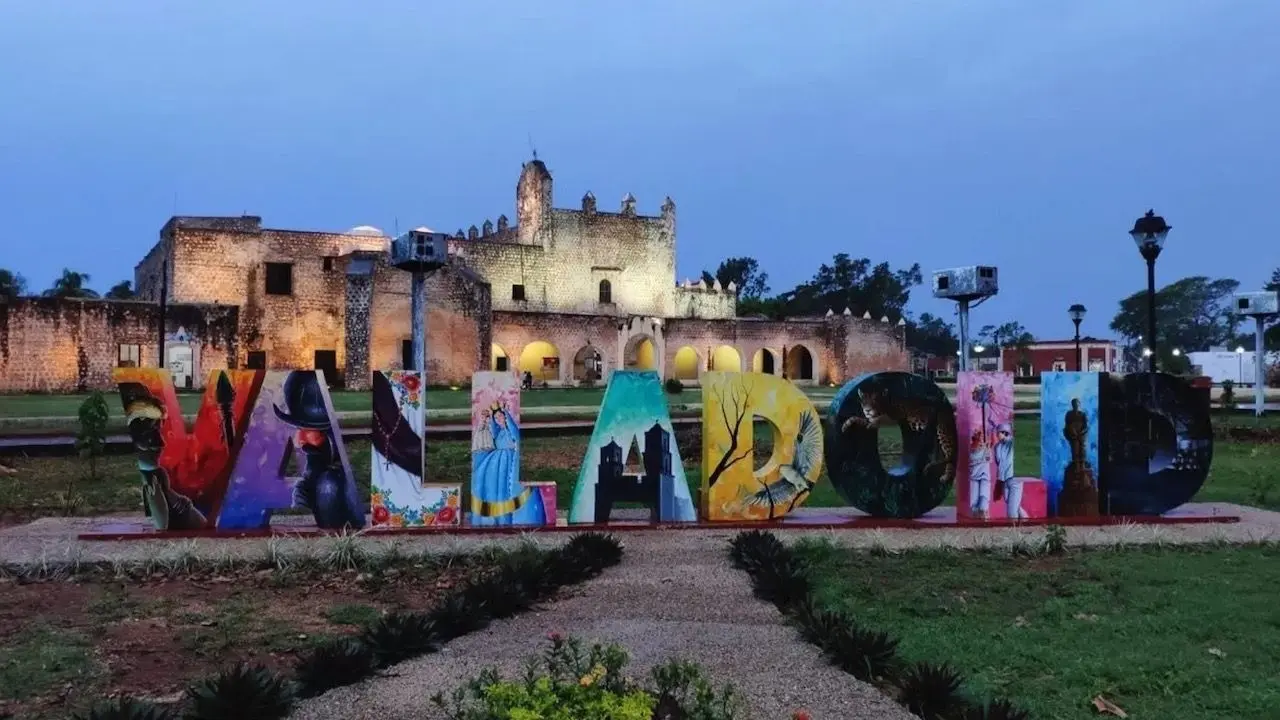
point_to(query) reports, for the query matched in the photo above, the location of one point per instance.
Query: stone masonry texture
(590, 282)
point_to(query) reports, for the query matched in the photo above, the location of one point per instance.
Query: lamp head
(1149, 233)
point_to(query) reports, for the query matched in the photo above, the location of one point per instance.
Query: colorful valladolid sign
(267, 441)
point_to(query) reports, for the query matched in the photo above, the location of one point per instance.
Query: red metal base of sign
(939, 519)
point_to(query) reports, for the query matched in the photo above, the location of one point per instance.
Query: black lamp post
(1149, 232)
(1077, 312)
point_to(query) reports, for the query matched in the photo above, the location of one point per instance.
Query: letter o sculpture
(929, 449)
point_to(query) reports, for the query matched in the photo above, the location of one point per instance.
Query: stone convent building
(566, 295)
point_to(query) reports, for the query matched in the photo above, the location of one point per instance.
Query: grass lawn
(1164, 633)
(43, 486)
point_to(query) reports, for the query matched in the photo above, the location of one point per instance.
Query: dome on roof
(365, 230)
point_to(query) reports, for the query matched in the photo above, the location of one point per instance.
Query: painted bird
(795, 475)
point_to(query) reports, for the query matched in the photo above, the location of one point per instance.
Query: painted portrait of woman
(497, 496)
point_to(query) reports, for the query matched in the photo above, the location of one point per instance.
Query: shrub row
(929, 690)
(522, 578)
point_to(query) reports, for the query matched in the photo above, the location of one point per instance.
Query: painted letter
(399, 495)
(633, 414)
(293, 415)
(928, 424)
(184, 475)
(731, 487)
(498, 497)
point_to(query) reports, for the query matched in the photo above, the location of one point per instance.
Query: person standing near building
(1004, 471)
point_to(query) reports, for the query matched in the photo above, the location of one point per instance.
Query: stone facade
(50, 345)
(565, 294)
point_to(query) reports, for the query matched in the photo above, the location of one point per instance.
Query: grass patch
(1178, 633)
(40, 658)
(356, 614)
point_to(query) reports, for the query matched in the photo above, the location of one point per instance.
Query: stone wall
(59, 345)
(459, 329)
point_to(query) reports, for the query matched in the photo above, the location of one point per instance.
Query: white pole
(1259, 371)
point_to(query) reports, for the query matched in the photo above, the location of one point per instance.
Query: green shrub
(332, 664)
(573, 682)
(92, 437)
(1228, 397)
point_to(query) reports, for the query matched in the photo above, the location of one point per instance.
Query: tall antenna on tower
(532, 149)
(395, 226)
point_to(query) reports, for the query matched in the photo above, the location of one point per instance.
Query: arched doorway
(542, 360)
(498, 360)
(588, 364)
(763, 362)
(726, 359)
(642, 354)
(686, 364)
(799, 363)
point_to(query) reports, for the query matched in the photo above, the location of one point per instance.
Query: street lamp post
(1149, 233)
(1077, 312)
(1240, 365)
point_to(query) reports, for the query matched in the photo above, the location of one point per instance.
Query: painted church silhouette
(654, 488)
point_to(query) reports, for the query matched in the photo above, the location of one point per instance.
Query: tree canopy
(933, 335)
(12, 284)
(71, 284)
(1192, 314)
(121, 291)
(854, 284)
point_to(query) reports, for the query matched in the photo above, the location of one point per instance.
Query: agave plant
(398, 636)
(332, 664)
(995, 710)
(245, 691)
(124, 708)
(458, 614)
(931, 691)
(784, 582)
(748, 547)
(816, 624)
(864, 654)
(602, 548)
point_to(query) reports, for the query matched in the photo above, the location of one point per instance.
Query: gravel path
(672, 599)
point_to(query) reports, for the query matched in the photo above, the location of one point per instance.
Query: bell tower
(533, 204)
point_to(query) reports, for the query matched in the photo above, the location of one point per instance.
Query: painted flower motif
(397, 520)
(429, 518)
(375, 498)
(413, 398)
(801, 715)
(380, 515)
(452, 501)
(412, 384)
(446, 516)
(983, 394)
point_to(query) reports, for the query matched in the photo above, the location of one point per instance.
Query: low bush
(930, 690)
(125, 708)
(573, 682)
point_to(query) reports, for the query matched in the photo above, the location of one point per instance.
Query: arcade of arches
(543, 361)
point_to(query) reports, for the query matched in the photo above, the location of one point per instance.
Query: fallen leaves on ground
(1106, 707)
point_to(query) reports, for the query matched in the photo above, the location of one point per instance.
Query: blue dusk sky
(1028, 135)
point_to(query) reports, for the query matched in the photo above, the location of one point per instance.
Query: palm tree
(121, 291)
(12, 284)
(71, 284)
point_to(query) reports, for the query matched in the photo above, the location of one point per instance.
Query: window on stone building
(279, 278)
(517, 292)
(257, 360)
(406, 354)
(130, 356)
(606, 292)
(327, 263)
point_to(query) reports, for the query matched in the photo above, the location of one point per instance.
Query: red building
(1029, 361)
(1059, 355)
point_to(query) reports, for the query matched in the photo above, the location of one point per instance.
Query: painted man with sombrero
(326, 489)
(167, 508)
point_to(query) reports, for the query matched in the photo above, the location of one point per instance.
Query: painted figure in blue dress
(497, 497)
